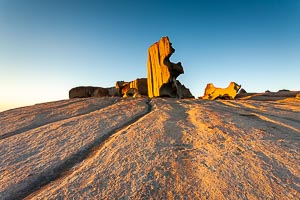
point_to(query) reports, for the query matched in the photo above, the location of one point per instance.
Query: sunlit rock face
(212, 92)
(135, 88)
(162, 73)
(140, 85)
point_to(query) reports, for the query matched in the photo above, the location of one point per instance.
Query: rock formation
(161, 81)
(134, 88)
(89, 91)
(179, 91)
(100, 92)
(184, 92)
(269, 96)
(242, 91)
(162, 73)
(283, 90)
(113, 92)
(211, 92)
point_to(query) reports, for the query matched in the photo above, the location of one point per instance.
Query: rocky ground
(112, 148)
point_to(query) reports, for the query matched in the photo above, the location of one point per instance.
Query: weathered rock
(269, 96)
(211, 92)
(134, 88)
(178, 91)
(162, 73)
(284, 90)
(141, 85)
(82, 92)
(168, 90)
(100, 92)
(132, 92)
(242, 91)
(113, 92)
(183, 91)
(89, 91)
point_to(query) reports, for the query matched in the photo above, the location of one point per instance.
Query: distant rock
(298, 96)
(113, 92)
(269, 96)
(100, 92)
(90, 91)
(242, 91)
(82, 92)
(283, 90)
(211, 92)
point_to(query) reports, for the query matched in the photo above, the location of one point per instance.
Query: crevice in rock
(63, 169)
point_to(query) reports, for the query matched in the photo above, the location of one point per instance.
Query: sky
(48, 47)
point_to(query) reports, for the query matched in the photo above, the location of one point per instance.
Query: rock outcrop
(87, 91)
(242, 91)
(161, 81)
(212, 92)
(113, 92)
(179, 91)
(184, 92)
(107, 148)
(269, 96)
(162, 73)
(90, 91)
(134, 88)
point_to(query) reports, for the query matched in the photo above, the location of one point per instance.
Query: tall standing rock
(162, 73)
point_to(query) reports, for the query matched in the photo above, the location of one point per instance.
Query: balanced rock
(162, 73)
(212, 92)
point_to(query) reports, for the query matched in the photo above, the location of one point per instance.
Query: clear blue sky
(49, 46)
